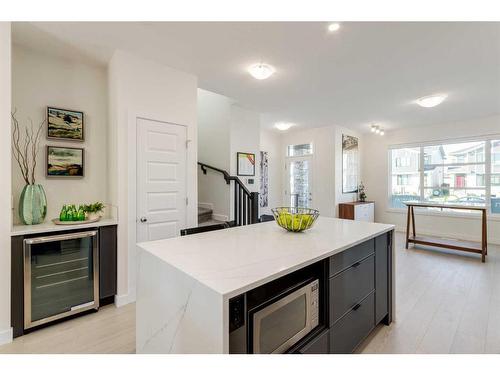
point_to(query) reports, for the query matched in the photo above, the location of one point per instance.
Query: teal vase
(32, 204)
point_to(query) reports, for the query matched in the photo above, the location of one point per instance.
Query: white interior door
(299, 181)
(161, 179)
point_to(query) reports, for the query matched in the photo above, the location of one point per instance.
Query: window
(300, 150)
(405, 176)
(495, 177)
(458, 173)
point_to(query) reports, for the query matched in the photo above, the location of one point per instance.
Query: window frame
(488, 140)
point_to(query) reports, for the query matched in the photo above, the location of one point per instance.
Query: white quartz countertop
(233, 261)
(49, 226)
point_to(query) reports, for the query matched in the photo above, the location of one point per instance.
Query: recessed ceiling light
(431, 100)
(333, 27)
(283, 125)
(261, 71)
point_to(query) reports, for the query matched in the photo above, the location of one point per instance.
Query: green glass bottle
(63, 215)
(69, 213)
(81, 214)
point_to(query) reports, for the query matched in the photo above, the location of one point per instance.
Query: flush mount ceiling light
(377, 130)
(261, 71)
(333, 27)
(283, 125)
(431, 100)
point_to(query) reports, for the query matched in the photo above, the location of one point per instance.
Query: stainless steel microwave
(278, 326)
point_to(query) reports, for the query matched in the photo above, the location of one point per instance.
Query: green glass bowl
(295, 219)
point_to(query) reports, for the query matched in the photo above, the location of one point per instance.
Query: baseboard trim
(6, 336)
(124, 299)
(220, 217)
(458, 236)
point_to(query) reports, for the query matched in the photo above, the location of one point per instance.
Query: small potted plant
(361, 192)
(93, 211)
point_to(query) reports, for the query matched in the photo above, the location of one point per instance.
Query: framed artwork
(245, 164)
(65, 161)
(264, 179)
(64, 124)
(350, 164)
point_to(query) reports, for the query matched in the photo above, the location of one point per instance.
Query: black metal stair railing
(246, 202)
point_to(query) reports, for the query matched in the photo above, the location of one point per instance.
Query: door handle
(143, 219)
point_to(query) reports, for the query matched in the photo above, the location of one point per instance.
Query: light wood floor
(447, 302)
(110, 330)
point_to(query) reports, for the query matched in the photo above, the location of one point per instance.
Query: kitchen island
(186, 284)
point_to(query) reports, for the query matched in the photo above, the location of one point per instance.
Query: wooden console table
(472, 247)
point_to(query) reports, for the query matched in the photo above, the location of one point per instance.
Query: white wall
(225, 128)
(40, 80)
(245, 137)
(214, 127)
(376, 171)
(270, 141)
(5, 184)
(145, 88)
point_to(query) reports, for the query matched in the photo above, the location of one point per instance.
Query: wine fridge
(60, 276)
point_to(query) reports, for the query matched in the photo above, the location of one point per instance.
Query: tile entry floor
(447, 302)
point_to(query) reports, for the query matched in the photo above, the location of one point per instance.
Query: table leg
(413, 221)
(408, 226)
(484, 236)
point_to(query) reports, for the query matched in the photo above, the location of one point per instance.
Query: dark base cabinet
(353, 328)
(107, 263)
(355, 296)
(318, 345)
(360, 295)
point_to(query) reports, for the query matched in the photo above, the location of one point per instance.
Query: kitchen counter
(185, 283)
(49, 226)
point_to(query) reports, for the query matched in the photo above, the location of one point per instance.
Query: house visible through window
(458, 173)
(495, 177)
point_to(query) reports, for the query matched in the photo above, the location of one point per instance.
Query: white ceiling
(366, 72)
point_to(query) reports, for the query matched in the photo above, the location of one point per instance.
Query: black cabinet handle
(356, 306)
(356, 264)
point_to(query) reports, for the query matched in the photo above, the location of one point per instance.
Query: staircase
(246, 206)
(246, 203)
(204, 214)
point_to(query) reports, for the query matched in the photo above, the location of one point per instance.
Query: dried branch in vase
(25, 149)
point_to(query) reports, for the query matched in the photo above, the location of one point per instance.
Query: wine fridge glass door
(60, 276)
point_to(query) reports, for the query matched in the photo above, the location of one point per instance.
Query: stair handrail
(226, 175)
(246, 203)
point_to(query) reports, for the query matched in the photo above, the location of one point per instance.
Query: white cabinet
(362, 211)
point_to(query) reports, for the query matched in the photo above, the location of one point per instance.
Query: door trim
(127, 235)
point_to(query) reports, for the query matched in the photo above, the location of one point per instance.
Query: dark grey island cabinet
(360, 292)
(72, 265)
(359, 297)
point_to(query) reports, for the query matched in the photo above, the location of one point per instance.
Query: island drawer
(351, 286)
(318, 345)
(347, 258)
(349, 331)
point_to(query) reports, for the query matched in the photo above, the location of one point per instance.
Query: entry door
(299, 177)
(161, 180)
